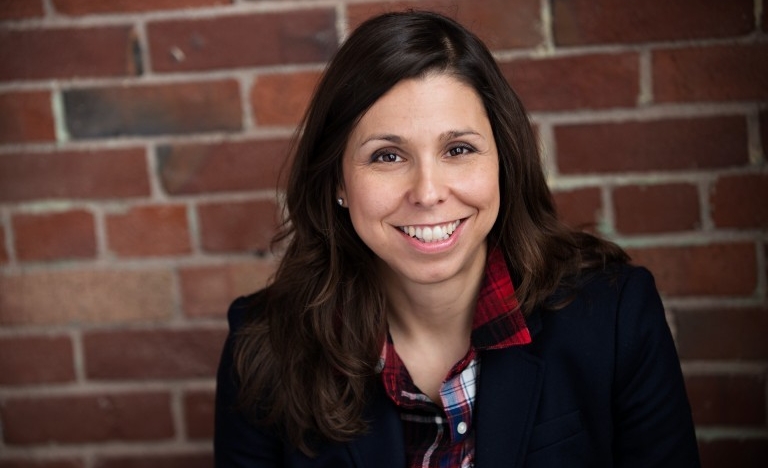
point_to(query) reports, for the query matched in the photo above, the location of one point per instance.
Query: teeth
(431, 234)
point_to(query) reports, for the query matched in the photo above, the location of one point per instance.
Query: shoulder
(245, 309)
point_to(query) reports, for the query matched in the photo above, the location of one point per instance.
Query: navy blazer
(599, 386)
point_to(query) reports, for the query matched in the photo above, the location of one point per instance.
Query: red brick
(26, 117)
(36, 360)
(580, 208)
(742, 453)
(705, 270)
(237, 226)
(726, 400)
(87, 7)
(594, 81)
(501, 24)
(603, 21)
(298, 36)
(232, 166)
(716, 73)
(656, 208)
(54, 236)
(85, 296)
(148, 231)
(3, 251)
(153, 109)
(21, 9)
(282, 99)
(41, 463)
(740, 201)
(152, 354)
(87, 418)
(737, 334)
(207, 291)
(198, 412)
(107, 173)
(673, 144)
(204, 460)
(66, 53)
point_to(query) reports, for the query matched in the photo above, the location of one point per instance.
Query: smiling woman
(430, 309)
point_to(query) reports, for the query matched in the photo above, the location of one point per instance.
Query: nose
(429, 185)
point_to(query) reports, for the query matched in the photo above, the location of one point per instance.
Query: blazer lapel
(508, 396)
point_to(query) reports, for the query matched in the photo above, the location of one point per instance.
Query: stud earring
(340, 201)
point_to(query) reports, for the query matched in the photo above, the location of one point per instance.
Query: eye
(386, 157)
(460, 150)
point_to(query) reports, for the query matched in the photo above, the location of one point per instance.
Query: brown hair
(307, 360)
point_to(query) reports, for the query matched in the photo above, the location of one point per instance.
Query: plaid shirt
(443, 437)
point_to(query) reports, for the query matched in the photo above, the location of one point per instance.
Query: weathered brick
(578, 22)
(237, 226)
(594, 81)
(26, 117)
(296, 36)
(737, 334)
(170, 460)
(88, 7)
(701, 270)
(30, 54)
(54, 235)
(740, 201)
(672, 144)
(580, 208)
(3, 251)
(21, 9)
(744, 453)
(149, 231)
(282, 99)
(107, 173)
(207, 291)
(85, 296)
(198, 412)
(501, 24)
(153, 109)
(233, 166)
(152, 354)
(715, 73)
(48, 462)
(36, 359)
(656, 208)
(87, 418)
(725, 400)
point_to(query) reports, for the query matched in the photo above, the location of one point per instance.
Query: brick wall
(140, 142)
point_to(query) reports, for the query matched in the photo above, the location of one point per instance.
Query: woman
(430, 309)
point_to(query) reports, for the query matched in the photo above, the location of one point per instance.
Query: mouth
(427, 234)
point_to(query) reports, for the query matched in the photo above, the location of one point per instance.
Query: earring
(340, 201)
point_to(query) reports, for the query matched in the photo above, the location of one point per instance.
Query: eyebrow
(445, 136)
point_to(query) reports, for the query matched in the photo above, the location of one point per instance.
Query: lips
(434, 233)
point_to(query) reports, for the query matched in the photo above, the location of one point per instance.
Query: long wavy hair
(306, 360)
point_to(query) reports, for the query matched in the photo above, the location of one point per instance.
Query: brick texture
(741, 201)
(722, 334)
(85, 296)
(199, 414)
(241, 226)
(303, 36)
(35, 359)
(31, 462)
(54, 236)
(148, 231)
(600, 21)
(156, 461)
(3, 250)
(282, 99)
(652, 145)
(221, 167)
(66, 53)
(744, 453)
(152, 354)
(87, 418)
(88, 7)
(26, 117)
(656, 208)
(581, 208)
(21, 9)
(711, 405)
(153, 110)
(107, 174)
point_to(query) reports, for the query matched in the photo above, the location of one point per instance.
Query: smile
(431, 233)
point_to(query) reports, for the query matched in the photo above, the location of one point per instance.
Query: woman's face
(421, 175)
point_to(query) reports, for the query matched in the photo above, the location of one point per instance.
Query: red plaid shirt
(444, 437)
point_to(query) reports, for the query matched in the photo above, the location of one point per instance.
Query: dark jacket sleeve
(652, 416)
(237, 443)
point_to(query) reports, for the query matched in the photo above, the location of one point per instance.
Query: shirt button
(461, 428)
